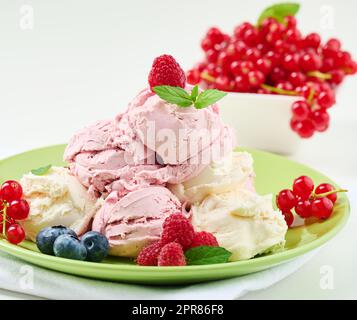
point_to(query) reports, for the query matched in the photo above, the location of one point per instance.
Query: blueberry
(47, 236)
(97, 246)
(69, 247)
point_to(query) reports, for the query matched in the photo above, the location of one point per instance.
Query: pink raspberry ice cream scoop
(134, 221)
(151, 143)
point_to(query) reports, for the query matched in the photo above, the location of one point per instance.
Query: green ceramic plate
(273, 174)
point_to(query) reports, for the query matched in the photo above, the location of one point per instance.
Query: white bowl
(261, 121)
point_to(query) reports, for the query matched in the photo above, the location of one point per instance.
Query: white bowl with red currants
(281, 84)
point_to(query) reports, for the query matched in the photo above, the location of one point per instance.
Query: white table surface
(84, 61)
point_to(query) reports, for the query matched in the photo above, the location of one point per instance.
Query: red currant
(263, 65)
(293, 36)
(246, 67)
(224, 61)
(310, 62)
(322, 208)
(222, 83)
(290, 21)
(289, 218)
(241, 29)
(300, 109)
(303, 208)
(277, 75)
(351, 67)
(326, 99)
(215, 35)
(324, 188)
(10, 190)
(212, 55)
(251, 37)
(294, 124)
(333, 44)
(15, 234)
(305, 128)
(297, 79)
(274, 58)
(291, 62)
(285, 200)
(206, 44)
(328, 64)
(312, 40)
(320, 119)
(252, 54)
(336, 76)
(193, 76)
(19, 209)
(255, 78)
(303, 187)
(242, 83)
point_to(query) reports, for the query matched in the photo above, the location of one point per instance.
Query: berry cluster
(276, 58)
(306, 201)
(12, 209)
(63, 242)
(177, 236)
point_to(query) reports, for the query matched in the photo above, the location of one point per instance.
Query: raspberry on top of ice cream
(166, 71)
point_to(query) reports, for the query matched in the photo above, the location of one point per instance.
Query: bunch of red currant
(307, 202)
(12, 208)
(276, 58)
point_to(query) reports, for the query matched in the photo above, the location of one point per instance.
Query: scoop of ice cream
(151, 143)
(242, 221)
(57, 198)
(176, 134)
(229, 173)
(135, 220)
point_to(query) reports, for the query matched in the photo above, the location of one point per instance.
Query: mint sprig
(42, 170)
(207, 255)
(279, 11)
(182, 98)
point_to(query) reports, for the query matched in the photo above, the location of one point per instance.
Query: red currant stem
(206, 76)
(319, 75)
(321, 195)
(310, 98)
(4, 219)
(278, 90)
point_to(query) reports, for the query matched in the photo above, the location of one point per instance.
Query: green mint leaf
(194, 93)
(208, 97)
(279, 11)
(41, 171)
(175, 95)
(207, 255)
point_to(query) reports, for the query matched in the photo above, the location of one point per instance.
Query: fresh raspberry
(204, 238)
(171, 255)
(177, 228)
(148, 255)
(166, 71)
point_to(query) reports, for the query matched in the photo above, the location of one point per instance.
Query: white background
(85, 60)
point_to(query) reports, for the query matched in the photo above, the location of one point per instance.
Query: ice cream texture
(57, 198)
(135, 220)
(234, 171)
(151, 143)
(242, 221)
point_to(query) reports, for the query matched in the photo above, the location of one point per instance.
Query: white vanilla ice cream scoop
(243, 222)
(229, 173)
(57, 198)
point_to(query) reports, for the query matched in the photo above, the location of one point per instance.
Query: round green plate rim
(257, 262)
